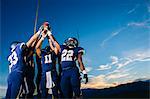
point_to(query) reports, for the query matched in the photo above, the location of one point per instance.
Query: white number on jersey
(67, 55)
(48, 59)
(13, 59)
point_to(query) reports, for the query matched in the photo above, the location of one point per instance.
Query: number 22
(67, 55)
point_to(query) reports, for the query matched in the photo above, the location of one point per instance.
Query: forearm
(80, 62)
(51, 45)
(39, 43)
(81, 66)
(56, 44)
(32, 39)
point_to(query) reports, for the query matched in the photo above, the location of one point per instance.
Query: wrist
(42, 38)
(49, 33)
(38, 33)
(84, 72)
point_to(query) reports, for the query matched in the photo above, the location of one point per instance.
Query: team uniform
(28, 84)
(70, 78)
(49, 77)
(16, 69)
(39, 74)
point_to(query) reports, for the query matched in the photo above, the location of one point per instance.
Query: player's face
(71, 42)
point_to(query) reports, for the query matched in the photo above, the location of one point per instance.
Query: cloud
(132, 10)
(114, 78)
(123, 62)
(113, 34)
(101, 81)
(88, 69)
(104, 67)
(114, 59)
(118, 75)
(97, 82)
(144, 24)
(130, 57)
(134, 57)
(146, 59)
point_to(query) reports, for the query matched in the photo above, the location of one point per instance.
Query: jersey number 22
(67, 55)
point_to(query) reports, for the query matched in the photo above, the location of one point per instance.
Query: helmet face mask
(71, 42)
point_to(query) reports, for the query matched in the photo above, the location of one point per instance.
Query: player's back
(16, 59)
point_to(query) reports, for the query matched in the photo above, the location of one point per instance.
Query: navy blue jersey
(30, 61)
(69, 55)
(16, 59)
(48, 60)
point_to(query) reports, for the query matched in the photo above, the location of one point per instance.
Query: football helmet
(13, 45)
(71, 42)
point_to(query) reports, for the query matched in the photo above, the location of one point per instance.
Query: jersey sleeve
(81, 50)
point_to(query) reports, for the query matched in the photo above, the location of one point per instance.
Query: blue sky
(114, 34)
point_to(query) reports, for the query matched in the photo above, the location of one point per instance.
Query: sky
(114, 33)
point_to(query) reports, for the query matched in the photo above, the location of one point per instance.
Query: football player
(70, 79)
(49, 77)
(39, 73)
(28, 85)
(17, 65)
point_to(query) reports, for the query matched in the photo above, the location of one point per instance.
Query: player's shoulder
(63, 46)
(20, 45)
(80, 49)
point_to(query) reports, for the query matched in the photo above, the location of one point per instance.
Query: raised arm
(48, 30)
(32, 39)
(52, 46)
(39, 44)
(53, 40)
